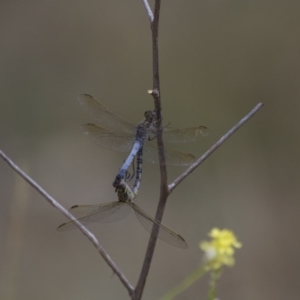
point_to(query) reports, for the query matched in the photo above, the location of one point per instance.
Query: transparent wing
(165, 233)
(173, 157)
(104, 115)
(183, 135)
(123, 142)
(86, 214)
(107, 138)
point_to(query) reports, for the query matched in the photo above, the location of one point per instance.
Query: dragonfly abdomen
(136, 147)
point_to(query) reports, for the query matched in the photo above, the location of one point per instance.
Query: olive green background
(218, 59)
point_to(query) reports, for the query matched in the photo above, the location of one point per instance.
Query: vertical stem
(164, 192)
(215, 275)
(157, 96)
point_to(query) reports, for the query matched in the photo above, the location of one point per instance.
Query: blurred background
(218, 59)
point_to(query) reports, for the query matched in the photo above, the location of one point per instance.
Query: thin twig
(65, 212)
(149, 11)
(189, 170)
(162, 160)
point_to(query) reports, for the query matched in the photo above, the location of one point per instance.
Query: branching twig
(162, 160)
(196, 164)
(166, 190)
(65, 212)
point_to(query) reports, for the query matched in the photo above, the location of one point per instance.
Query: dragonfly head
(150, 115)
(124, 192)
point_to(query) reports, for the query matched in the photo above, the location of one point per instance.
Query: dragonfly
(121, 135)
(114, 211)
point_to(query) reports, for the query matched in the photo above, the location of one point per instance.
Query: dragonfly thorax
(144, 128)
(142, 132)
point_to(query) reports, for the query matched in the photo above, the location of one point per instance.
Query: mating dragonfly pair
(121, 135)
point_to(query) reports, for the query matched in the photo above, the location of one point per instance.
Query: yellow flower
(220, 250)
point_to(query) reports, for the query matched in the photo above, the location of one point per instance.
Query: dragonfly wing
(80, 211)
(183, 135)
(104, 115)
(173, 157)
(111, 139)
(86, 214)
(165, 234)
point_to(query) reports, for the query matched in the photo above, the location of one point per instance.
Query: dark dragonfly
(114, 211)
(121, 135)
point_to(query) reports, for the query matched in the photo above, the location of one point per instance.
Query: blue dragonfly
(114, 211)
(119, 134)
